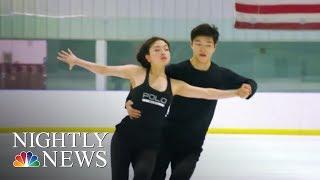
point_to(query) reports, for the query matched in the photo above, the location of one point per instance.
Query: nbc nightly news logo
(62, 150)
(26, 160)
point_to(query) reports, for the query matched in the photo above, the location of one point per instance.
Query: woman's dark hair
(205, 30)
(144, 50)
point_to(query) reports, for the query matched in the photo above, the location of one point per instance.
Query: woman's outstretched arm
(183, 89)
(125, 71)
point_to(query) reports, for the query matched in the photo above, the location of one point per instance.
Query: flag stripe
(293, 26)
(278, 9)
(277, 2)
(277, 14)
(276, 18)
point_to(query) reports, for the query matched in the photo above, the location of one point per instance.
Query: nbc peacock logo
(26, 160)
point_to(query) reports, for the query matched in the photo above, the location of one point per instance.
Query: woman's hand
(68, 58)
(244, 91)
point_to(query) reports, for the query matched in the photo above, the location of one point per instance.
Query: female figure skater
(138, 141)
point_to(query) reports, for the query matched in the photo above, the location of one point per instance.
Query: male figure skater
(189, 118)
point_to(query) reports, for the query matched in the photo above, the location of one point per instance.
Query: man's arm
(133, 113)
(232, 80)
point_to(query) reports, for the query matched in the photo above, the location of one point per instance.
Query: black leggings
(123, 153)
(183, 164)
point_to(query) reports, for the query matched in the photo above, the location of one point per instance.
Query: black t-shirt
(189, 118)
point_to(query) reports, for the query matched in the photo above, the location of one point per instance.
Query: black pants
(124, 152)
(183, 164)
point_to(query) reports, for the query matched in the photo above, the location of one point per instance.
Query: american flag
(278, 14)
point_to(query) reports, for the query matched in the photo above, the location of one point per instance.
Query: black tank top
(153, 104)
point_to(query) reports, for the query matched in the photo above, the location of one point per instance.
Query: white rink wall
(21, 108)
